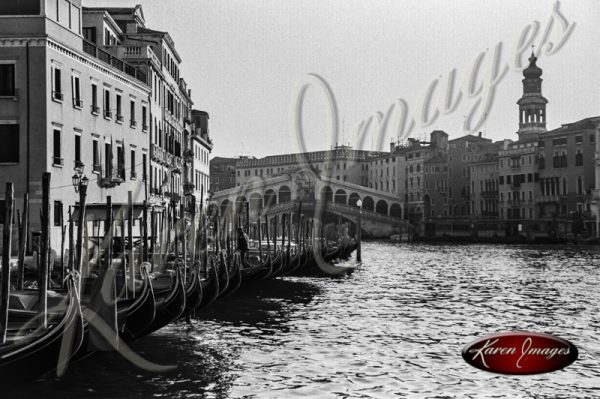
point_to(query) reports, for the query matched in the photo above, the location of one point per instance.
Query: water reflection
(394, 328)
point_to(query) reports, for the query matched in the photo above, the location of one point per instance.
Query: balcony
(95, 110)
(136, 53)
(107, 114)
(144, 127)
(57, 161)
(97, 168)
(188, 188)
(77, 103)
(549, 198)
(119, 118)
(177, 163)
(157, 154)
(188, 155)
(113, 61)
(78, 165)
(168, 158)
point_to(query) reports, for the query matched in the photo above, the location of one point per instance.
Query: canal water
(394, 328)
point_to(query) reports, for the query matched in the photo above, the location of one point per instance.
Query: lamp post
(359, 231)
(80, 185)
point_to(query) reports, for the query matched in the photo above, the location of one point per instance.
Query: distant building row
(545, 181)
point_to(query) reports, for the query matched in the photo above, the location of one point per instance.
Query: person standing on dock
(242, 243)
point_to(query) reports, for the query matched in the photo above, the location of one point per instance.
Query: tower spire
(532, 104)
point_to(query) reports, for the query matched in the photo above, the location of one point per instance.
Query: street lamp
(80, 185)
(359, 203)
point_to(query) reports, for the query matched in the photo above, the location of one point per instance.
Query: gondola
(235, 279)
(138, 313)
(31, 351)
(193, 290)
(256, 272)
(210, 284)
(170, 304)
(222, 272)
(276, 263)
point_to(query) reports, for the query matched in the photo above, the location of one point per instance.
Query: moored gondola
(235, 279)
(138, 312)
(170, 304)
(32, 350)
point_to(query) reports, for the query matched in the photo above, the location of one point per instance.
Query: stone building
(201, 147)
(222, 173)
(167, 116)
(417, 153)
(340, 163)
(462, 152)
(568, 176)
(67, 107)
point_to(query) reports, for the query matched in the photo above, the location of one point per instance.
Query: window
(579, 158)
(9, 137)
(89, 34)
(133, 174)
(56, 159)
(7, 80)
(119, 110)
(76, 91)
(58, 215)
(144, 123)
(121, 162)
(579, 185)
(107, 160)
(579, 139)
(107, 112)
(542, 162)
(144, 176)
(132, 112)
(95, 108)
(96, 167)
(56, 84)
(78, 162)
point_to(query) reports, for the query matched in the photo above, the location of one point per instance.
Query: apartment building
(68, 108)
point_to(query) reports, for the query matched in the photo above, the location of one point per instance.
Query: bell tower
(532, 105)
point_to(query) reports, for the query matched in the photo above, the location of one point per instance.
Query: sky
(246, 60)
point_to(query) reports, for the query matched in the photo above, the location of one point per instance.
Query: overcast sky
(243, 60)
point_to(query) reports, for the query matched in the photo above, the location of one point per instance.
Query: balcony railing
(132, 123)
(57, 95)
(78, 103)
(57, 161)
(119, 118)
(113, 61)
(107, 114)
(95, 110)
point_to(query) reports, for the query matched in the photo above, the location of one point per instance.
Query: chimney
(392, 147)
(479, 134)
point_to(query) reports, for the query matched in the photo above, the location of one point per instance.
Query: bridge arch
(353, 199)
(239, 204)
(340, 197)
(368, 203)
(285, 194)
(381, 207)
(396, 211)
(255, 202)
(270, 198)
(326, 194)
(225, 206)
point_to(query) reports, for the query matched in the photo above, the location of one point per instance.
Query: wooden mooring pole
(45, 251)
(6, 248)
(23, 234)
(131, 260)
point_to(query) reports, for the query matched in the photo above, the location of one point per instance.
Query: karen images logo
(520, 353)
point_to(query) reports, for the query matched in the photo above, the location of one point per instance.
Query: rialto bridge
(382, 213)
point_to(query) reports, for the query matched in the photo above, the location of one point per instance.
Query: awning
(98, 211)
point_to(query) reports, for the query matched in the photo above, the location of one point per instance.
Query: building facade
(67, 109)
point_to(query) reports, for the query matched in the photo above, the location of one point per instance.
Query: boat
(138, 312)
(31, 350)
(235, 278)
(222, 272)
(170, 302)
(258, 271)
(210, 284)
(193, 291)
